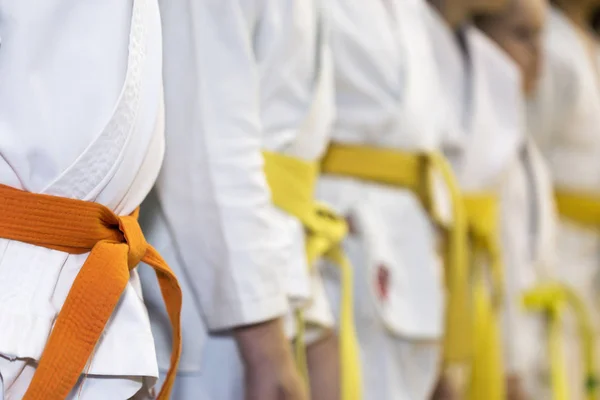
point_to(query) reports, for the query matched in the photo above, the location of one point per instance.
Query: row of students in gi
(402, 116)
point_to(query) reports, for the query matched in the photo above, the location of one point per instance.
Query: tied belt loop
(292, 182)
(483, 229)
(116, 246)
(416, 172)
(134, 237)
(552, 299)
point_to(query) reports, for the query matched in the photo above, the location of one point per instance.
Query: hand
(270, 372)
(514, 388)
(445, 389)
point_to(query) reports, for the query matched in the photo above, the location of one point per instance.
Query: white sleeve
(212, 188)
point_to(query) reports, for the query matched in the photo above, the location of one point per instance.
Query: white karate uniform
(566, 117)
(240, 77)
(530, 228)
(386, 96)
(80, 117)
(487, 112)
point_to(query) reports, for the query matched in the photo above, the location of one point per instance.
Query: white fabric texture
(17, 375)
(482, 102)
(528, 206)
(394, 367)
(488, 140)
(486, 113)
(565, 117)
(240, 77)
(386, 89)
(212, 189)
(80, 117)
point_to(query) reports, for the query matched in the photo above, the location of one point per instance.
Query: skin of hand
(269, 368)
(445, 389)
(515, 389)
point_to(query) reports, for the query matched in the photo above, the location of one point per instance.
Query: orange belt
(117, 246)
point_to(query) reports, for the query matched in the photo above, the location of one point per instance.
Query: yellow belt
(552, 299)
(415, 172)
(292, 183)
(582, 208)
(487, 379)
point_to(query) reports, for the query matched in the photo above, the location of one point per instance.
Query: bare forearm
(270, 373)
(263, 342)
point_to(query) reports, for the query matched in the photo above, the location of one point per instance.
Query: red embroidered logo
(383, 282)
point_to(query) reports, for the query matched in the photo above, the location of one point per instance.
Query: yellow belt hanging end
(351, 388)
(292, 183)
(457, 340)
(553, 299)
(487, 379)
(487, 370)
